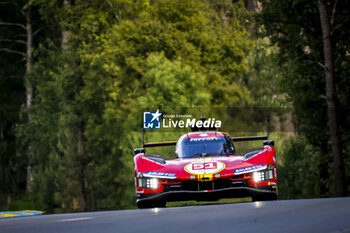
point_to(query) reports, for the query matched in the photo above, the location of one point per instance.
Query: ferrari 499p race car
(206, 167)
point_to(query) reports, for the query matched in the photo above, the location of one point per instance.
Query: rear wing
(237, 139)
(158, 144)
(255, 138)
(153, 144)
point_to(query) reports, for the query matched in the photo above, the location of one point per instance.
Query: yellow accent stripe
(208, 177)
(3, 215)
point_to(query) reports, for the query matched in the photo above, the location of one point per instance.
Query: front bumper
(206, 195)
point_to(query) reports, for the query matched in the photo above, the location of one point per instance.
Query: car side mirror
(269, 143)
(139, 150)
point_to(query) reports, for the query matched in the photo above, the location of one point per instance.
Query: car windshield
(204, 147)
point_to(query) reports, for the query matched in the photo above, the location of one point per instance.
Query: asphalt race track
(297, 216)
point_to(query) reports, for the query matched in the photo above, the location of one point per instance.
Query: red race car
(206, 167)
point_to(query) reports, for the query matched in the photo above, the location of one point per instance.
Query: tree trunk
(29, 89)
(65, 33)
(252, 5)
(81, 151)
(2, 130)
(80, 201)
(338, 161)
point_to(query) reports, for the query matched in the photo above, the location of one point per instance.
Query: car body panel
(205, 172)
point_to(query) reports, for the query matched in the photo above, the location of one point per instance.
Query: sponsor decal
(151, 120)
(160, 175)
(205, 159)
(205, 178)
(204, 139)
(249, 169)
(204, 168)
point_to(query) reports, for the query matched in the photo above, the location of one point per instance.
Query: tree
(103, 62)
(295, 27)
(338, 161)
(88, 97)
(24, 18)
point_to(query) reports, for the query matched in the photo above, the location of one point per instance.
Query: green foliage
(264, 77)
(12, 165)
(189, 57)
(25, 202)
(122, 57)
(295, 27)
(172, 84)
(300, 172)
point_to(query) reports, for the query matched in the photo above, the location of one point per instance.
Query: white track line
(74, 219)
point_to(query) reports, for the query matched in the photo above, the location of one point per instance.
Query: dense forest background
(76, 75)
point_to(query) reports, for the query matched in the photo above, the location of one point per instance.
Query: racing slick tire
(150, 204)
(264, 197)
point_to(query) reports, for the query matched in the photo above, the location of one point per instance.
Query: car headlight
(264, 175)
(148, 183)
(259, 176)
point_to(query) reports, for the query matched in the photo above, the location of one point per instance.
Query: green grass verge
(222, 201)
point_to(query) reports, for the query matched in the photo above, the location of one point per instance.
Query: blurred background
(76, 75)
